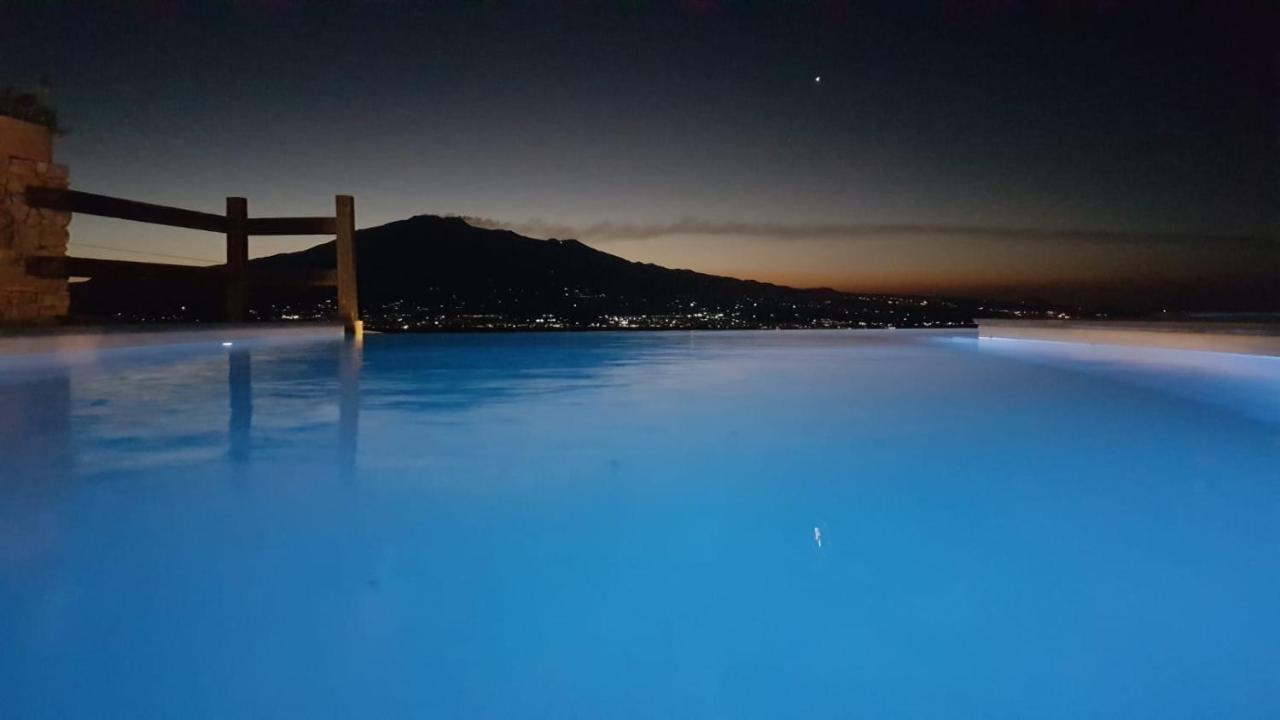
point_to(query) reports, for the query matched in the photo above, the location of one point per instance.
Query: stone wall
(27, 232)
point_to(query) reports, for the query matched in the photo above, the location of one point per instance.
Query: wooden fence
(236, 225)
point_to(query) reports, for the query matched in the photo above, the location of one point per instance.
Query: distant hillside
(431, 271)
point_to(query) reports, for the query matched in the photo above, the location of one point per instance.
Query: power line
(145, 252)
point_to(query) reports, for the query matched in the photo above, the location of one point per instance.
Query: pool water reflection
(767, 524)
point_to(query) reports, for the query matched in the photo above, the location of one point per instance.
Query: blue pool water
(623, 526)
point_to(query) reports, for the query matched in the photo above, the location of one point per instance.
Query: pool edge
(91, 339)
(1238, 338)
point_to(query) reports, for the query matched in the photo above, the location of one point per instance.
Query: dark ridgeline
(432, 272)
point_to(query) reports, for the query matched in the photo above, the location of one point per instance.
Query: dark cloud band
(623, 231)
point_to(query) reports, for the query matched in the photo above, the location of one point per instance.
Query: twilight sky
(1074, 149)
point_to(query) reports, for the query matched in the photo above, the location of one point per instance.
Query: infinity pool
(627, 526)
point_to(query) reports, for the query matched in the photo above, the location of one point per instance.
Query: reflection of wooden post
(349, 360)
(237, 258)
(240, 390)
(348, 303)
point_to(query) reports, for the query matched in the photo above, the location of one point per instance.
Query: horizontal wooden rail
(60, 268)
(297, 277)
(292, 226)
(104, 206)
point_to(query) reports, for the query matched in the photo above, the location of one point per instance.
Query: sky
(1075, 150)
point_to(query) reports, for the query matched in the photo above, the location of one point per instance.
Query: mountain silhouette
(432, 271)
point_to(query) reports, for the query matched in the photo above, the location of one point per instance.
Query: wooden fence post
(348, 298)
(237, 258)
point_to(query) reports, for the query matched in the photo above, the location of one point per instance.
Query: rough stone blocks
(27, 232)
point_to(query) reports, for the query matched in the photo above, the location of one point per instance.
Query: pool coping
(1228, 337)
(92, 338)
